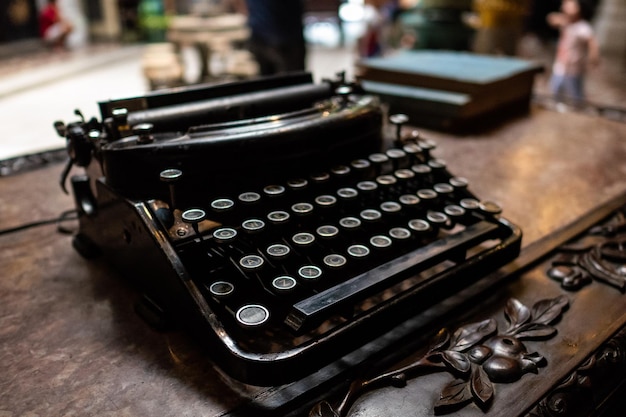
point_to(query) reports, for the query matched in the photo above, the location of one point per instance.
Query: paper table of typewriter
(275, 219)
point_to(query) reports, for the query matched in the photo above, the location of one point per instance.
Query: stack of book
(450, 90)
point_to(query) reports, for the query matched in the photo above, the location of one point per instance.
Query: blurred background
(124, 48)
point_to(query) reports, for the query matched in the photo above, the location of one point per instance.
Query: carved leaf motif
(323, 409)
(535, 357)
(546, 311)
(440, 340)
(455, 395)
(457, 361)
(533, 331)
(482, 388)
(516, 313)
(529, 366)
(467, 336)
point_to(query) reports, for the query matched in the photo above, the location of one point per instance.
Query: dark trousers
(280, 59)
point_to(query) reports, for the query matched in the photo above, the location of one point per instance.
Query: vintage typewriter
(285, 222)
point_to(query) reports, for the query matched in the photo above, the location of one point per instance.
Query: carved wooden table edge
(587, 389)
(477, 354)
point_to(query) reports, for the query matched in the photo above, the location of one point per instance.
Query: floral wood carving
(477, 354)
(600, 255)
(587, 387)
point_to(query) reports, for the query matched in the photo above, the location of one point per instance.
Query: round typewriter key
(412, 149)
(249, 197)
(470, 204)
(252, 315)
(224, 234)
(325, 200)
(398, 119)
(361, 168)
(420, 226)
(334, 260)
(409, 200)
(395, 154)
(340, 170)
(347, 193)
(380, 162)
(427, 195)
(309, 272)
(222, 204)
(349, 223)
(437, 164)
(274, 190)
(421, 169)
(367, 186)
(221, 288)
(380, 241)
(171, 174)
(490, 207)
(390, 207)
(443, 189)
(404, 174)
(459, 182)
(327, 231)
(278, 251)
(251, 262)
(370, 215)
(378, 158)
(386, 180)
(303, 239)
(297, 183)
(358, 251)
(278, 217)
(427, 144)
(399, 233)
(193, 215)
(320, 177)
(284, 283)
(454, 212)
(360, 164)
(253, 225)
(437, 218)
(302, 208)
(397, 157)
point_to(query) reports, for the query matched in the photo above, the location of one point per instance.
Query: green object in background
(438, 24)
(152, 20)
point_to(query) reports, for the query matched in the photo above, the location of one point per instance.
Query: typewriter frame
(127, 232)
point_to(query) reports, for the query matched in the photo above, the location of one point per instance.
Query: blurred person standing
(53, 28)
(277, 38)
(577, 49)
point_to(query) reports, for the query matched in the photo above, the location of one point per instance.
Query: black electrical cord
(65, 216)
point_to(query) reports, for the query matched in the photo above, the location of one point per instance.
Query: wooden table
(70, 342)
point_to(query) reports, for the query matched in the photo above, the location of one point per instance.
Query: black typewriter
(275, 219)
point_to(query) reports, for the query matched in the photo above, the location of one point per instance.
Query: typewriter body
(275, 219)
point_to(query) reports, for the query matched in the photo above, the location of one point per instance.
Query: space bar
(314, 307)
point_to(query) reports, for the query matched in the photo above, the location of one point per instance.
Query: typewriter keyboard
(325, 246)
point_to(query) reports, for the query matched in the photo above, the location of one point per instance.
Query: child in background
(52, 27)
(576, 50)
